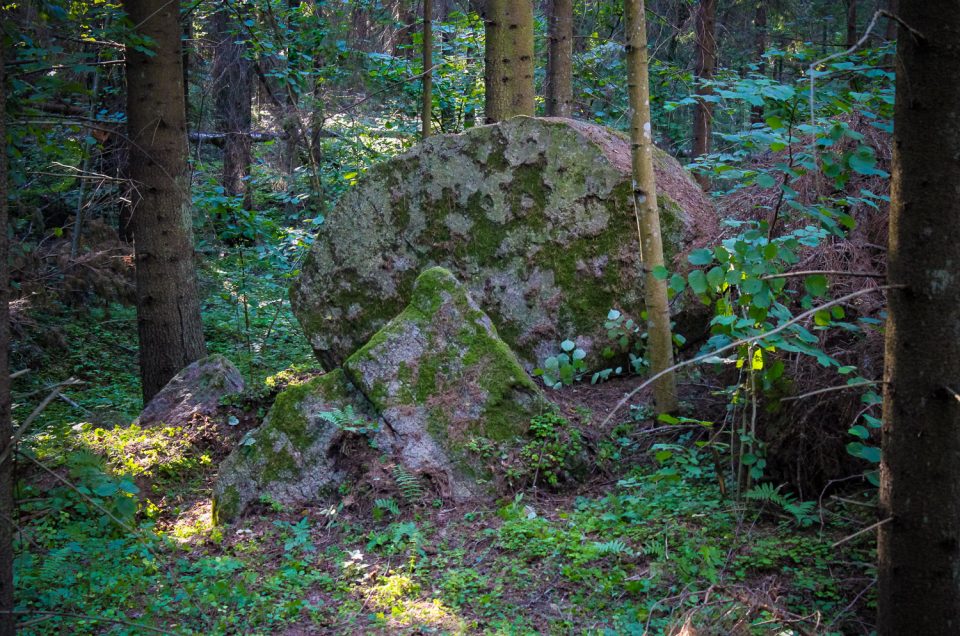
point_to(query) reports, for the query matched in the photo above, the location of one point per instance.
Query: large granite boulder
(435, 379)
(535, 216)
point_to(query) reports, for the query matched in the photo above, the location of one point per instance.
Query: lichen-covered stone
(438, 374)
(193, 393)
(291, 458)
(533, 215)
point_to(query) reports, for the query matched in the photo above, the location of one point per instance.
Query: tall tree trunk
(233, 87)
(8, 621)
(892, 7)
(447, 101)
(426, 110)
(919, 548)
(508, 59)
(660, 340)
(760, 40)
(559, 82)
(187, 25)
(851, 23)
(168, 306)
(706, 63)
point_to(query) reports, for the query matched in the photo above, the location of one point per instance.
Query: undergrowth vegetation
(740, 514)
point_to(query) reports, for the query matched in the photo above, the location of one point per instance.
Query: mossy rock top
(533, 215)
(440, 376)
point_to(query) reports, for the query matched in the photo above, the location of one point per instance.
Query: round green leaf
(698, 281)
(700, 257)
(816, 285)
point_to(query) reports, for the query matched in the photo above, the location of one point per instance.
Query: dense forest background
(751, 508)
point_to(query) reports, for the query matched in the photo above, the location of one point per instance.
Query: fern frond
(389, 505)
(616, 547)
(408, 484)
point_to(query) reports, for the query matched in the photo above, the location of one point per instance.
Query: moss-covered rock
(292, 457)
(533, 215)
(439, 375)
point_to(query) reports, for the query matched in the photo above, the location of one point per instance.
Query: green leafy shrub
(563, 368)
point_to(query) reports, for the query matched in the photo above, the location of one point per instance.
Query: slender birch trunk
(660, 340)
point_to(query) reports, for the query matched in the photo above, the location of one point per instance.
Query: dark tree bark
(187, 25)
(508, 58)
(706, 63)
(233, 87)
(892, 7)
(851, 23)
(919, 546)
(426, 109)
(7, 619)
(559, 81)
(168, 307)
(760, 40)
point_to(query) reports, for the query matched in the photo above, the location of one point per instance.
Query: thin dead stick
(90, 501)
(98, 619)
(132, 530)
(826, 272)
(830, 389)
(859, 532)
(22, 429)
(17, 374)
(798, 318)
(955, 395)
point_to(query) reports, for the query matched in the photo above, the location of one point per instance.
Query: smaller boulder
(435, 378)
(293, 456)
(193, 393)
(440, 376)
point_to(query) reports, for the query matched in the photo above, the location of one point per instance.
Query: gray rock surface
(193, 393)
(292, 457)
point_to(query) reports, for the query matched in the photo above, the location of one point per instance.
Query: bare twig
(825, 272)
(22, 429)
(98, 619)
(830, 389)
(813, 71)
(750, 339)
(859, 532)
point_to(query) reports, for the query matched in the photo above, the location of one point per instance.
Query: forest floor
(115, 535)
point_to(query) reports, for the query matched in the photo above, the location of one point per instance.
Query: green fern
(347, 420)
(615, 547)
(767, 493)
(803, 512)
(389, 505)
(409, 484)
